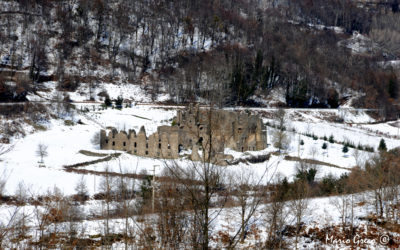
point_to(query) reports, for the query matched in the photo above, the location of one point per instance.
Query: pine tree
(118, 102)
(107, 102)
(345, 149)
(331, 140)
(324, 146)
(382, 145)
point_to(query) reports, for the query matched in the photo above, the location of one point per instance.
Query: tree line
(224, 51)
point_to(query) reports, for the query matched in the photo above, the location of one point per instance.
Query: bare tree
(73, 216)
(299, 205)
(172, 223)
(107, 188)
(358, 157)
(4, 149)
(202, 180)
(96, 139)
(81, 189)
(280, 136)
(126, 191)
(386, 34)
(249, 190)
(24, 217)
(345, 206)
(41, 151)
(246, 195)
(276, 217)
(3, 181)
(45, 212)
(7, 225)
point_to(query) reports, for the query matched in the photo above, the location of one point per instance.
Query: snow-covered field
(319, 214)
(20, 165)
(64, 143)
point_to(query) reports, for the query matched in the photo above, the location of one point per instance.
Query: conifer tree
(345, 149)
(382, 145)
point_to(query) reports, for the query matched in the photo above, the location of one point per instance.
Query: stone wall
(194, 128)
(238, 131)
(157, 145)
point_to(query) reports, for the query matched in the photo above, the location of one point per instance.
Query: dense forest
(226, 52)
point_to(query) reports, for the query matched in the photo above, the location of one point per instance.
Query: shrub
(331, 140)
(69, 123)
(328, 185)
(324, 145)
(369, 148)
(306, 175)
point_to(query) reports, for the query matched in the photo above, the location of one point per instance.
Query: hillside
(227, 52)
(318, 79)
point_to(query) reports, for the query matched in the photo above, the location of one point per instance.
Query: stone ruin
(195, 129)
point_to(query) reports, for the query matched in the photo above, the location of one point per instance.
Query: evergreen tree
(118, 102)
(107, 102)
(331, 140)
(306, 175)
(382, 145)
(324, 146)
(345, 149)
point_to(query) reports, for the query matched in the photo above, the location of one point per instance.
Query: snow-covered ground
(20, 165)
(321, 216)
(64, 143)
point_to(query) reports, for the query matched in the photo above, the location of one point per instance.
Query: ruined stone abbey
(192, 129)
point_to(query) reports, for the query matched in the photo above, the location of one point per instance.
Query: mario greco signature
(359, 240)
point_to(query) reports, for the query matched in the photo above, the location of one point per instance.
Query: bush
(95, 140)
(369, 148)
(328, 185)
(331, 140)
(301, 142)
(332, 185)
(306, 175)
(69, 123)
(324, 146)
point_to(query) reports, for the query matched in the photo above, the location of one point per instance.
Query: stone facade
(193, 128)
